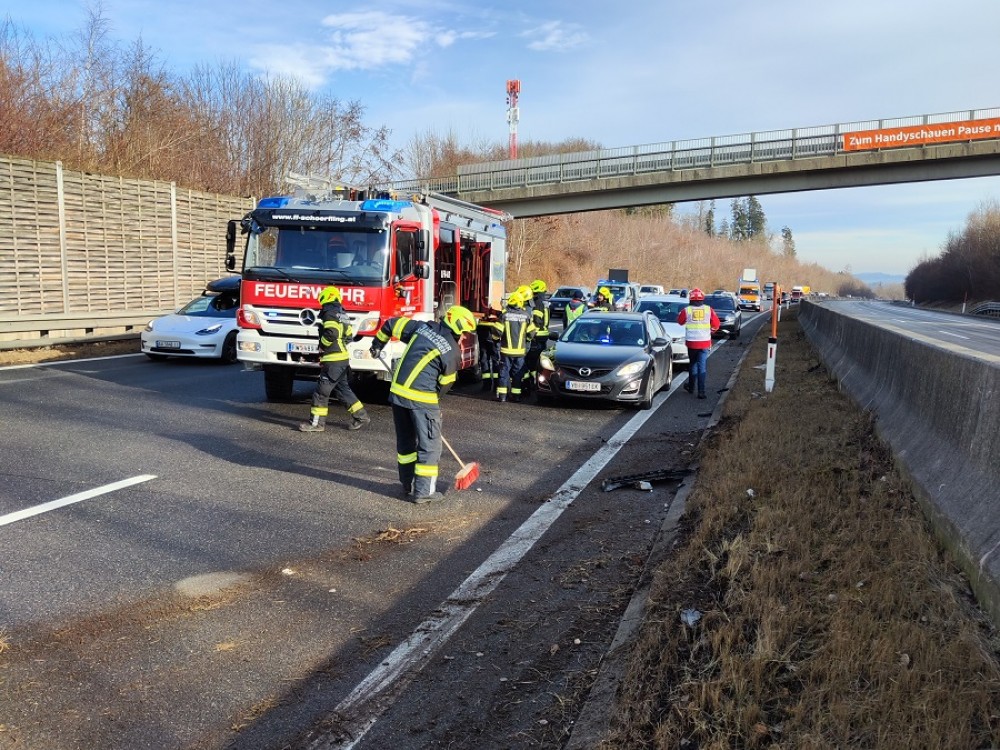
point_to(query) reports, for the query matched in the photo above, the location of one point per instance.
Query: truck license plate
(168, 344)
(302, 348)
(578, 385)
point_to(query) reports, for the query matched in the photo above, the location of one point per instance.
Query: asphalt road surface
(182, 568)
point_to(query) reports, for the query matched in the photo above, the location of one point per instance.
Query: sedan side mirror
(659, 342)
(553, 335)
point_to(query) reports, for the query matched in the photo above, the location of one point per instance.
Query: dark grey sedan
(611, 356)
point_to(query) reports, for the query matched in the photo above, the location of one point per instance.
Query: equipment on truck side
(389, 256)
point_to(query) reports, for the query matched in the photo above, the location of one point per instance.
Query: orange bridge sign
(920, 135)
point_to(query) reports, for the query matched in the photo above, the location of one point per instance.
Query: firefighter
(489, 349)
(425, 372)
(603, 300)
(334, 331)
(700, 322)
(515, 328)
(576, 307)
(540, 339)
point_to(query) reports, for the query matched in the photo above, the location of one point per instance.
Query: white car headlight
(149, 326)
(632, 368)
(210, 330)
(546, 362)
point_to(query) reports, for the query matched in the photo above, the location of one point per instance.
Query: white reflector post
(772, 354)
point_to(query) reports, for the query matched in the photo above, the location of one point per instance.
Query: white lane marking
(956, 335)
(4, 368)
(52, 505)
(376, 692)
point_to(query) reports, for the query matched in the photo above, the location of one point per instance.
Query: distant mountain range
(874, 279)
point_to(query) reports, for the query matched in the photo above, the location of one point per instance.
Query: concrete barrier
(935, 407)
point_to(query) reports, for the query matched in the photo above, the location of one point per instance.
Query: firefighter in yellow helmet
(515, 329)
(540, 339)
(603, 300)
(425, 372)
(334, 332)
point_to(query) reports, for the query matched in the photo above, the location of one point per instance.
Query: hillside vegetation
(656, 249)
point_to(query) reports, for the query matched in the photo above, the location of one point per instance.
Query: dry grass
(830, 617)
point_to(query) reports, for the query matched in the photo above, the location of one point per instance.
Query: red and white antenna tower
(513, 114)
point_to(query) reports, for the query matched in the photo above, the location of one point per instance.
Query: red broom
(469, 472)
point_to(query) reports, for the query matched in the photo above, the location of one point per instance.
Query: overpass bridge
(918, 148)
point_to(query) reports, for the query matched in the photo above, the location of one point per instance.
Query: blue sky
(619, 74)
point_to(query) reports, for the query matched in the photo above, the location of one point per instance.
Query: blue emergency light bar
(384, 204)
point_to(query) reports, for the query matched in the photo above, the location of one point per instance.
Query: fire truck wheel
(471, 374)
(278, 383)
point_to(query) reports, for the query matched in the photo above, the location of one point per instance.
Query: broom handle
(448, 446)
(443, 440)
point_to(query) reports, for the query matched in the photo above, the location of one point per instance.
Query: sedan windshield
(592, 330)
(665, 312)
(211, 306)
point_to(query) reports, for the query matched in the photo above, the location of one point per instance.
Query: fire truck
(389, 257)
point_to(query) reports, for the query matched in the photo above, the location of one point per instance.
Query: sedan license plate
(168, 344)
(302, 348)
(580, 385)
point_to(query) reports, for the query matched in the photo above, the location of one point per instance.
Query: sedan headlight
(632, 368)
(210, 330)
(546, 362)
(149, 326)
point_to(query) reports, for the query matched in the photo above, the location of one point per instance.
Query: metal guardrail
(986, 309)
(72, 329)
(716, 151)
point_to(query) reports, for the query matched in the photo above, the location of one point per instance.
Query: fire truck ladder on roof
(453, 208)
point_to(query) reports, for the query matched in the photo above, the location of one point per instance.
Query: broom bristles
(468, 474)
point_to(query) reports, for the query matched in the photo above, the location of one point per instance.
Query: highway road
(976, 337)
(182, 568)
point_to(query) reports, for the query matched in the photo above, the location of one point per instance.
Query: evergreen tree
(739, 230)
(709, 224)
(756, 220)
(787, 242)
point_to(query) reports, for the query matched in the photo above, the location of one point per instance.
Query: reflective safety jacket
(574, 309)
(334, 332)
(515, 329)
(699, 322)
(429, 365)
(540, 316)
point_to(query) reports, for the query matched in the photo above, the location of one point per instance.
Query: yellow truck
(749, 293)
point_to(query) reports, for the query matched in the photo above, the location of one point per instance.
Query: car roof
(665, 298)
(614, 315)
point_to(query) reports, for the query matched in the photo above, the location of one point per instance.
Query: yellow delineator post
(772, 342)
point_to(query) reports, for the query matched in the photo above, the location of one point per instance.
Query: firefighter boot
(424, 491)
(361, 418)
(316, 423)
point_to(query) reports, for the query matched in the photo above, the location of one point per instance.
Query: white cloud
(555, 36)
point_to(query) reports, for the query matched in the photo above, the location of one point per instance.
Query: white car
(646, 289)
(666, 307)
(204, 328)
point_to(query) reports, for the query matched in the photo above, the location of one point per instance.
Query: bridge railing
(716, 151)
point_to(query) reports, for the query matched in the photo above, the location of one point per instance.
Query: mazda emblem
(585, 371)
(307, 317)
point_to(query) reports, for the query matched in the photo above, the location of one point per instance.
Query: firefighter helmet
(328, 295)
(605, 292)
(460, 320)
(538, 286)
(696, 295)
(515, 300)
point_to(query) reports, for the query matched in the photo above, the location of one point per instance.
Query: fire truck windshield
(347, 257)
